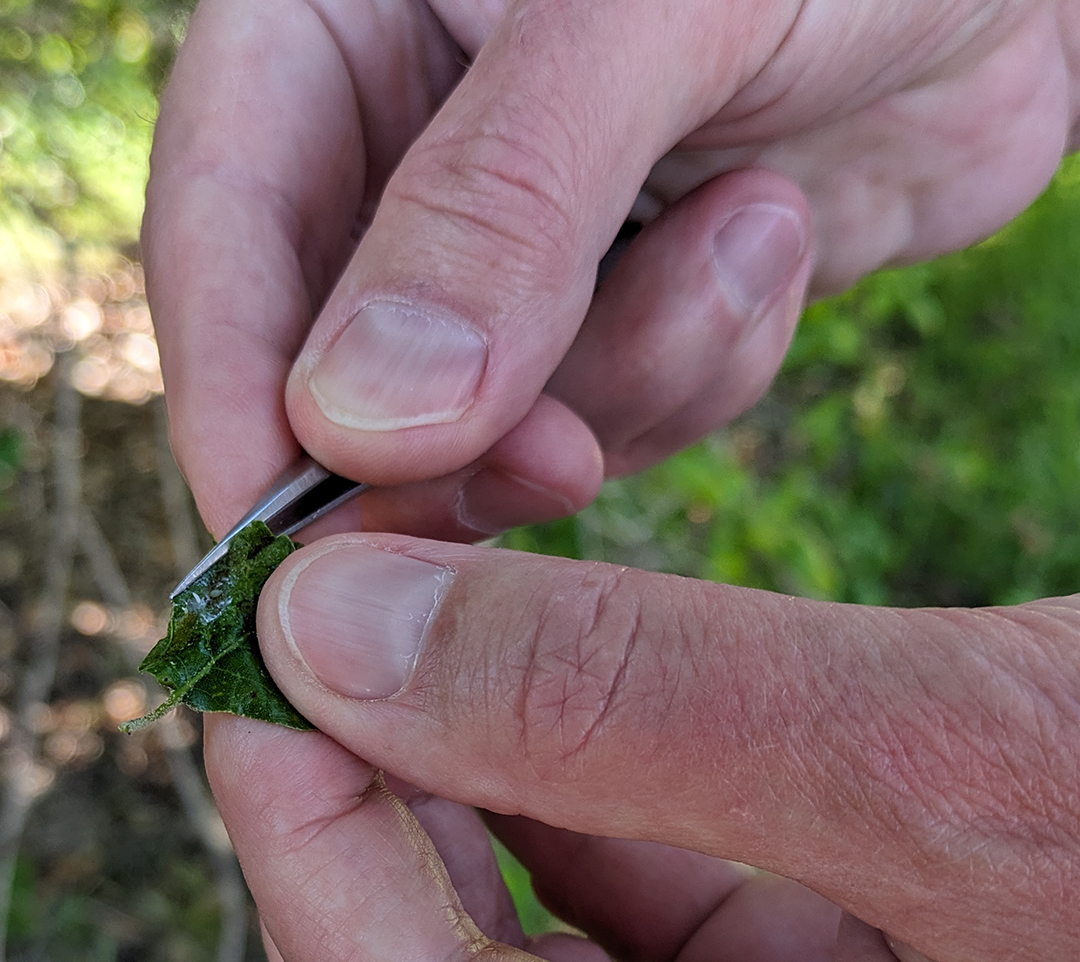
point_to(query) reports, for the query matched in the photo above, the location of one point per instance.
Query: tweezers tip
(204, 565)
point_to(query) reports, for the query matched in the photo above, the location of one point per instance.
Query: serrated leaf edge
(177, 694)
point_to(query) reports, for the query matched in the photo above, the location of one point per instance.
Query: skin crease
(930, 766)
(890, 759)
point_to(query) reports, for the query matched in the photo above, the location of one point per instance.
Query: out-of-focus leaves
(77, 106)
(11, 449)
(921, 446)
(11, 456)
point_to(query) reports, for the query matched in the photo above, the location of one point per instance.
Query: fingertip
(255, 766)
(359, 877)
(554, 448)
(904, 952)
(336, 864)
(768, 918)
(479, 266)
(387, 391)
(232, 747)
(692, 324)
(566, 947)
(271, 950)
(550, 466)
(384, 458)
(858, 942)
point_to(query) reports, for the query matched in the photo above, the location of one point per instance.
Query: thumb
(843, 746)
(479, 266)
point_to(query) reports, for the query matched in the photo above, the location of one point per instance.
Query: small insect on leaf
(209, 658)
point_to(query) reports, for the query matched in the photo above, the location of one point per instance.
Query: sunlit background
(921, 447)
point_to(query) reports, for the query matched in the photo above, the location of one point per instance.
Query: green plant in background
(11, 456)
(77, 106)
(534, 917)
(921, 446)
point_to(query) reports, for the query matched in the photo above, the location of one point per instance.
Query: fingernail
(394, 366)
(358, 617)
(493, 501)
(756, 251)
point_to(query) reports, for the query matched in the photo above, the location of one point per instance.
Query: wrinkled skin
(916, 769)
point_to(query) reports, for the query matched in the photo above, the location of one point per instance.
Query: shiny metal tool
(304, 492)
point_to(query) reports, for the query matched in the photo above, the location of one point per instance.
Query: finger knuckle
(498, 196)
(576, 669)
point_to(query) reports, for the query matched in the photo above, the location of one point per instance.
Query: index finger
(339, 867)
(258, 174)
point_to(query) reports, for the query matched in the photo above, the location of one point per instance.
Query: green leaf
(209, 659)
(11, 449)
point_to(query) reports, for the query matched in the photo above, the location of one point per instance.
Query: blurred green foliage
(534, 917)
(11, 457)
(921, 446)
(77, 105)
(80, 926)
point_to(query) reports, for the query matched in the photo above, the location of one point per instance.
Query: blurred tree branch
(22, 765)
(186, 775)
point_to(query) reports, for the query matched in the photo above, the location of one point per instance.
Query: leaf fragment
(209, 658)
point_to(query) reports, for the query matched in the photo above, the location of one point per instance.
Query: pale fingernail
(394, 366)
(755, 253)
(358, 617)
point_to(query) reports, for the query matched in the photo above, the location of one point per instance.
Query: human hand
(917, 768)
(498, 214)
(910, 128)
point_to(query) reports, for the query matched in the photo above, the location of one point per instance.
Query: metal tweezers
(304, 492)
